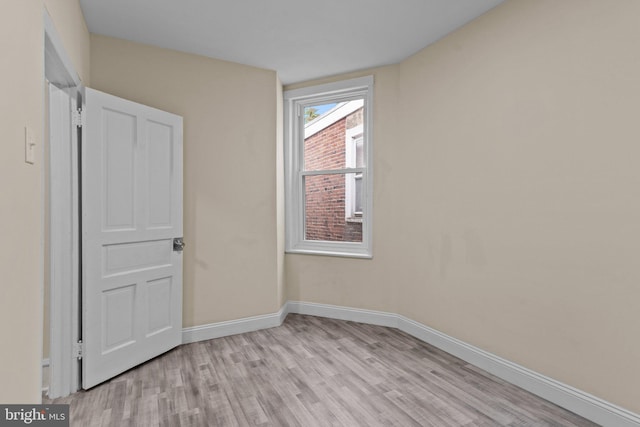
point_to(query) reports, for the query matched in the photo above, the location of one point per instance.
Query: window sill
(333, 253)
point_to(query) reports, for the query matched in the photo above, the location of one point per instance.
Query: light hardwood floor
(312, 371)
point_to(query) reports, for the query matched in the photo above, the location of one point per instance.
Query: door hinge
(78, 117)
(78, 350)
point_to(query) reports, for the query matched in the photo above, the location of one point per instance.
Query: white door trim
(63, 211)
(61, 242)
(58, 67)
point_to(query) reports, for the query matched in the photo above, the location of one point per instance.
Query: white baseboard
(577, 401)
(233, 327)
(343, 313)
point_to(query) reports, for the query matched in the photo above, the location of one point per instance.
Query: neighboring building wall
(353, 230)
(325, 194)
(354, 119)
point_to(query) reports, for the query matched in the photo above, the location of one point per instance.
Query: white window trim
(294, 103)
(351, 137)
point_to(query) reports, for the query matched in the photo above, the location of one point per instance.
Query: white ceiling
(300, 39)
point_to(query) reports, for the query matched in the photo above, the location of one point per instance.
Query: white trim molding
(233, 327)
(570, 398)
(343, 313)
(45, 376)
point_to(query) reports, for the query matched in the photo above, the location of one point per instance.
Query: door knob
(178, 244)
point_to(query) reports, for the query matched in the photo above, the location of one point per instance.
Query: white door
(131, 213)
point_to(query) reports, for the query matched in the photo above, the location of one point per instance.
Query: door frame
(64, 229)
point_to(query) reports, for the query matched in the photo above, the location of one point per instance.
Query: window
(328, 158)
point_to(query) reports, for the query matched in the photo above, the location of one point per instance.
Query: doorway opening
(61, 326)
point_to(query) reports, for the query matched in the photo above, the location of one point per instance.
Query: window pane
(359, 152)
(358, 195)
(326, 215)
(325, 136)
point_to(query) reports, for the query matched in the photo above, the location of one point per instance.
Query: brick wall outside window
(325, 194)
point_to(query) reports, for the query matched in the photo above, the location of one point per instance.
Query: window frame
(294, 103)
(352, 137)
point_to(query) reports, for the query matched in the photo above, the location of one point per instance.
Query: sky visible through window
(314, 111)
(321, 109)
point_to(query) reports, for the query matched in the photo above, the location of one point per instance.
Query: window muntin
(328, 169)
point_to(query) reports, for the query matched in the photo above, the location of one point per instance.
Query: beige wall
(506, 208)
(528, 144)
(230, 204)
(21, 204)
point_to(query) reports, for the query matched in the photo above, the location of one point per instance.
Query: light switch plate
(29, 146)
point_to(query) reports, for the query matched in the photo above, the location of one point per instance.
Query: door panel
(160, 155)
(119, 170)
(132, 210)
